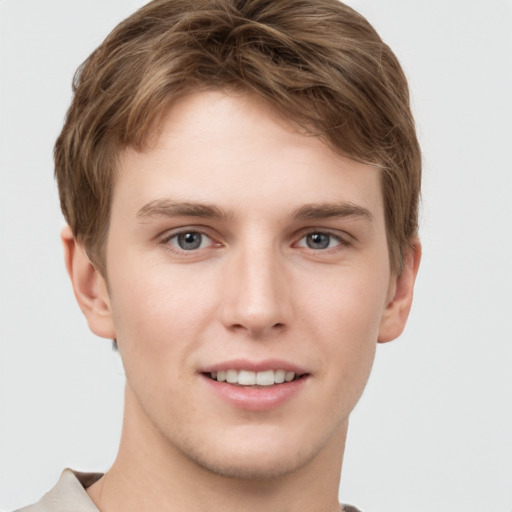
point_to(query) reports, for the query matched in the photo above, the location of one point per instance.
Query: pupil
(189, 241)
(318, 241)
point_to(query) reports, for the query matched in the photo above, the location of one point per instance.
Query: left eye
(190, 240)
(318, 241)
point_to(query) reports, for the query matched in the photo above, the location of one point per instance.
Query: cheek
(352, 339)
(158, 317)
(344, 314)
(153, 324)
(350, 345)
(349, 302)
(158, 295)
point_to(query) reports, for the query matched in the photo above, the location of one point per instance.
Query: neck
(150, 473)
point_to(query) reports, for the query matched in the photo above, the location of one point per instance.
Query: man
(241, 181)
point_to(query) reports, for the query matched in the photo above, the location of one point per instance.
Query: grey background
(434, 428)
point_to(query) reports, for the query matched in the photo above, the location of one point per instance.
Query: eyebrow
(331, 210)
(170, 208)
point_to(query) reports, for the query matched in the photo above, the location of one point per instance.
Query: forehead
(236, 151)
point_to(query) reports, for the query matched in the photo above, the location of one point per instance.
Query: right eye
(190, 240)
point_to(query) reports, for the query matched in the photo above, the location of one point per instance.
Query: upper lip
(255, 366)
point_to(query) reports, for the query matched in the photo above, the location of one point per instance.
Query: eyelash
(166, 241)
(331, 237)
(341, 242)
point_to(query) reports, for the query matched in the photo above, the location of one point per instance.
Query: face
(248, 282)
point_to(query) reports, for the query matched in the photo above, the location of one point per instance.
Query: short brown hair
(318, 61)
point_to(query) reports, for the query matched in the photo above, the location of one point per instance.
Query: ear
(89, 286)
(400, 295)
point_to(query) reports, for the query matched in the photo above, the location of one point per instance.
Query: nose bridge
(256, 299)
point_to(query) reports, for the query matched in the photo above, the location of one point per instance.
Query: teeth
(265, 378)
(279, 376)
(232, 376)
(246, 378)
(249, 378)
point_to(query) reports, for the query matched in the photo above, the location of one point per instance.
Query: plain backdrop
(433, 431)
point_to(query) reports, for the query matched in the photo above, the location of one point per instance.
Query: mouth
(256, 386)
(260, 379)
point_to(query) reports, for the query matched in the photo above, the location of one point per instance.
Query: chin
(249, 470)
(269, 459)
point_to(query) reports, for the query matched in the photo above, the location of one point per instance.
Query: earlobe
(89, 286)
(401, 293)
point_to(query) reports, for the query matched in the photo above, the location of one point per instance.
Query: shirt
(69, 495)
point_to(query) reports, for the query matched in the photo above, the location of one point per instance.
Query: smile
(252, 378)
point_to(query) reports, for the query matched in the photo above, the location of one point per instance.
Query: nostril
(257, 326)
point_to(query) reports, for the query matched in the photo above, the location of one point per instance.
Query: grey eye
(189, 241)
(318, 240)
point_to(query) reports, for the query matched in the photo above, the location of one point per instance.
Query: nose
(256, 295)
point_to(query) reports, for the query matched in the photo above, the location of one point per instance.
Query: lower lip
(253, 398)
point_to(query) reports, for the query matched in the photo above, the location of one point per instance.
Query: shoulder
(68, 494)
(349, 508)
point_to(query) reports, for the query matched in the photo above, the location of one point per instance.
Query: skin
(255, 289)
